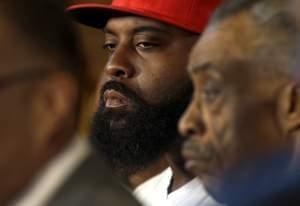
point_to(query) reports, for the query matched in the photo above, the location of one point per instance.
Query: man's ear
(289, 110)
(54, 108)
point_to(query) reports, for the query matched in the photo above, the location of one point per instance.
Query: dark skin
(26, 103)
(148, 57)
(237, 115)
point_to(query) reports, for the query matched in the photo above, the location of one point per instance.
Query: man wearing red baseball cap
(144, 90)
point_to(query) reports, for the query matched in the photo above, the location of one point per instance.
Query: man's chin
(117, 124)
(117, 118)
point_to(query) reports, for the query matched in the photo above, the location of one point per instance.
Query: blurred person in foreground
(243, 123)
(144, 90)
(41, 81)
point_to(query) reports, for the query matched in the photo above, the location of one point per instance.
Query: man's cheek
(224, 135)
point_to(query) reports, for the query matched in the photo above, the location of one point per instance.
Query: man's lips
(114, 99)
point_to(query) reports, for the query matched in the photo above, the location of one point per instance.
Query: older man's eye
(211, 92)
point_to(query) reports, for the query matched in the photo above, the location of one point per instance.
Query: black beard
(147, 132)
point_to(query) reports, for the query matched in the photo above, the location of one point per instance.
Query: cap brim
(97, 15)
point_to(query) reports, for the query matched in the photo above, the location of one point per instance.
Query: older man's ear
(289, 110)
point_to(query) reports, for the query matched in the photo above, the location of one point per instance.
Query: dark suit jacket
(90, 185)
(274, 186)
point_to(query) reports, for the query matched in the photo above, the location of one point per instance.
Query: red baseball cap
(191, 15)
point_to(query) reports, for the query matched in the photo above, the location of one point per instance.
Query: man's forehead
(222, 42)
(130, 24)
(207, 52)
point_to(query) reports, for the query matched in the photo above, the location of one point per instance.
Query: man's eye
(211, 91)
(146, 45)
(109, 47)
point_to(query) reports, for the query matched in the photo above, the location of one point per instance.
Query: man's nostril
(190, 132)
(120, 73)
(194, 129)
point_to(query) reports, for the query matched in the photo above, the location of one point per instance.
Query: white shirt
(56, 172)
(154, 192)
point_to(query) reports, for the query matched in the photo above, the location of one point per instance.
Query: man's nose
(119, 65)
(191, 123)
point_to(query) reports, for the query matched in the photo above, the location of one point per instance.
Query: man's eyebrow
(202, 67)
(140, 29)
(108, 31)
(152, 29)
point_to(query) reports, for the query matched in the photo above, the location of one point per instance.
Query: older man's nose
(191, 124)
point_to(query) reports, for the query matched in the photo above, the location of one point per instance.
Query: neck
(180, 178)
(141, 176)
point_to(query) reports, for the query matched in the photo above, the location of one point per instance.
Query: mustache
(124, 90)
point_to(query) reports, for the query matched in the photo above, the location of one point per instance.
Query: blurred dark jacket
(77, 176)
